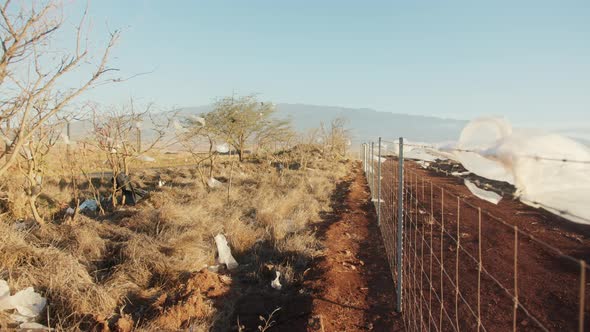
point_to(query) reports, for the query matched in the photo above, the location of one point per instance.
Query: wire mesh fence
(458, 266)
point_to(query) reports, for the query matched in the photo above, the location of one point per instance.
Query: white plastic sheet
(27, 305)
(489, 196)
(224, 252)
(506, 154)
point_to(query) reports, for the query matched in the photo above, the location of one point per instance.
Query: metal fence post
(365, 157)
(400, 224)
(372, 169)
(379, 184)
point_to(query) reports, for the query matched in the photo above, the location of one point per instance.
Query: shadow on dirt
(251, 296)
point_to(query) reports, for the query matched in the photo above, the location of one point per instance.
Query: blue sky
(526, 60)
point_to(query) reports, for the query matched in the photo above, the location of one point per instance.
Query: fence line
(534, 157)
(442, 291)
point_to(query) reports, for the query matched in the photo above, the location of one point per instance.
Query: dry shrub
(71, 291)
(81, 240)
(141, 262)
(91, 269)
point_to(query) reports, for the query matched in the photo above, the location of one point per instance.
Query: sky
(525, 60)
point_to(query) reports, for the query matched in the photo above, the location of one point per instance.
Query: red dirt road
(351, 286)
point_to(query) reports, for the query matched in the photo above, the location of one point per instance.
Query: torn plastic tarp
(225, 256)
(489, 196)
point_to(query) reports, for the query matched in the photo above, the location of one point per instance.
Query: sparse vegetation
(112, 269)
(149, 265)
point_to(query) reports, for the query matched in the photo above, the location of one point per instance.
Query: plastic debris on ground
(145, 158)
(65, 138)
(222, 148)
(276, 283)
(489, 196)
(89, 204)
(224, 252)
(25, 304)
(213, 183)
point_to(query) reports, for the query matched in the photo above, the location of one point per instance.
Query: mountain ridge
(365, 123)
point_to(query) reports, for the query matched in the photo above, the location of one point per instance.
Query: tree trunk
(36, 215)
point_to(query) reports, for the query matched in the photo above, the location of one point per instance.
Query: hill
(365, 123)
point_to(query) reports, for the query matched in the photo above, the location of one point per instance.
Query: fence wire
(459, 267)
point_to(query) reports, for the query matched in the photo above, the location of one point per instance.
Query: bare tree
(31, 73)
(239, 120)
(335, 138)
(196, 136)
(117, 134)
(33, 164)
(275, 135)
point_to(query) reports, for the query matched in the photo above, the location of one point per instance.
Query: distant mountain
(365, 124)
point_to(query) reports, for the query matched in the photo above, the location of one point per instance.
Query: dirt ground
(548, 283)
(348, 288)
(352, 285)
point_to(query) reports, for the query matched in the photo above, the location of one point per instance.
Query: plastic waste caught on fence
(213, 183)
(276, 283)
(222, 148)
(225, 256)
(26, 304)
(506, 154)
(486, 195)
(89, 204)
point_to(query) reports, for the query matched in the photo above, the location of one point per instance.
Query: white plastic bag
(276, 283)
(4, 295)
(222, 148)
(225, 256)
(28, 303)
(145, 158)
(34, 326)
(213, 183)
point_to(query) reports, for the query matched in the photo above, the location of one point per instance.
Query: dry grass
(99, 269)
